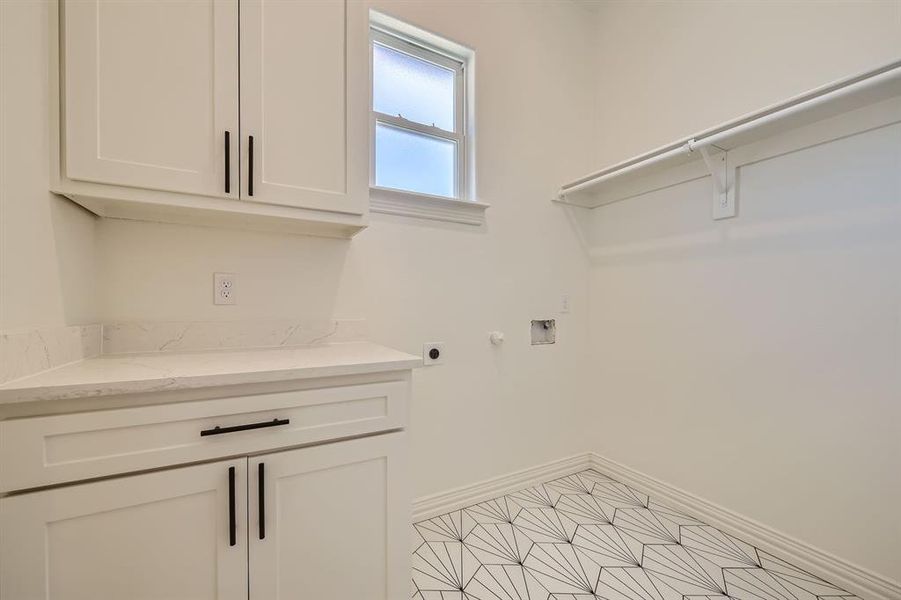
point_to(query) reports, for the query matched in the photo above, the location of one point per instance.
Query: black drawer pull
(232, 520)
(228, 163)
(250, 165)
(261, 425)
(261, 500)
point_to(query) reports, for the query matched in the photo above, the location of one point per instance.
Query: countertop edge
(162, 384)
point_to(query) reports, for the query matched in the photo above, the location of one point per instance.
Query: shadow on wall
(158, 272)
(74, 239)
(786, 204)
(772, 337)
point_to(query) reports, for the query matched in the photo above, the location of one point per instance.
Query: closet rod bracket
(724, 193)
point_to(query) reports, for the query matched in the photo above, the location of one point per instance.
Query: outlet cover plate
(224, 288)
(427, 349)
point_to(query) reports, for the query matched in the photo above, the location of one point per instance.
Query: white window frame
(457, 136)
(462, 207)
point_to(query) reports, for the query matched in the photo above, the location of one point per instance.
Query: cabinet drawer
(43, 451)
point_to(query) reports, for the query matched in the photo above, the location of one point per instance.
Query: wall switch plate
(433, 354)
(564, 304)
(224, 288)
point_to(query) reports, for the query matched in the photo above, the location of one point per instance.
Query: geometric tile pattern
(585, 537)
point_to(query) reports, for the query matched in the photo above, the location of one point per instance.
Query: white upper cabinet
(150, 126)
(151, 91)
(304, 101)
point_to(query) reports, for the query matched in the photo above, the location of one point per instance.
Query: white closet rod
(639, 163)
(712, 137)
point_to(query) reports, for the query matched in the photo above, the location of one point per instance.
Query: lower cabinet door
(330, 522)
(179, 534)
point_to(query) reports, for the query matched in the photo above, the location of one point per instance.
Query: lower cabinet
(326, 522)
(335, 522)
(159, 535)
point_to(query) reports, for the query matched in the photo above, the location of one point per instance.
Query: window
(418, 118)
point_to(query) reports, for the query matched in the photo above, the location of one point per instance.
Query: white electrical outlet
(433, 354)
(224, 288)
(564, 304)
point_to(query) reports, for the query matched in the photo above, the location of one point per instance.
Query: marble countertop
(111, 375)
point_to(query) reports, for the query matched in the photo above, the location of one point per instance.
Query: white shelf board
(643, 173)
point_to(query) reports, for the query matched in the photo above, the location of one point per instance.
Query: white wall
(46, 243)
(670, 69)
(488, 410)
(755, 362)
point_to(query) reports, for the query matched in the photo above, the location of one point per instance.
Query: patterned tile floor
(587, 536)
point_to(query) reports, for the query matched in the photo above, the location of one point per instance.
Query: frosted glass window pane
(418, 90)
(406, 160)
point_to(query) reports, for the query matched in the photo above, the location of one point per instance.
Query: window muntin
(417, 118)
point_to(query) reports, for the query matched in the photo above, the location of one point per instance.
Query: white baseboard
(427, 507)
(855, 579)
(849, 576)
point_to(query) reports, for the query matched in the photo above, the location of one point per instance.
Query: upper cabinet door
(150, 90)
(304, 104)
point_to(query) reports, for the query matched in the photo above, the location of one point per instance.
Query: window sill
(425, 206)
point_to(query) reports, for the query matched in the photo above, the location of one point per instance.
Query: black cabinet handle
(261, 499)
(261, 425)
(232, 523)
(228, 163)
(250, 165)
